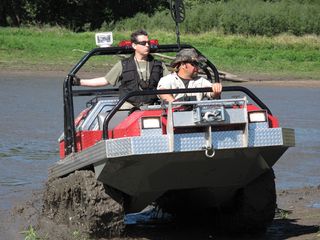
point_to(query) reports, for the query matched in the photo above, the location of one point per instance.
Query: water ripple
(13, 182)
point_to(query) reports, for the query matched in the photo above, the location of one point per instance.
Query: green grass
(59, 49)
(31, 234)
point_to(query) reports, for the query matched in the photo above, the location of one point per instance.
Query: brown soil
(297, 217)
(81, 202)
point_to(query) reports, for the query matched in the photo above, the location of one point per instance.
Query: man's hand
(75, 80)
(216, 88)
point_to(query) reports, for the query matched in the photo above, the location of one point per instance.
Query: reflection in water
(12, 182)
(32, 121)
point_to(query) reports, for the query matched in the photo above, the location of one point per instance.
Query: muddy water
(31, 121)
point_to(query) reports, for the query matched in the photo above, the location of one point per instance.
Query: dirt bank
(298, 217)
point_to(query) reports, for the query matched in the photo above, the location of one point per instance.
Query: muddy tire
(255, 207)
(81, 202)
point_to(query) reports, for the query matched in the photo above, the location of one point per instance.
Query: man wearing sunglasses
(138, 72)
(186, 65)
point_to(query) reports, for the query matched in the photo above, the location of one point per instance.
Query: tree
(11, 12)
(77, 15)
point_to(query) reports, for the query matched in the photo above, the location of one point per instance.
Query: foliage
(251, 17)
(77, 15)
(31, 234)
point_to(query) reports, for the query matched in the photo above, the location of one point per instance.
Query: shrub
(250, 17)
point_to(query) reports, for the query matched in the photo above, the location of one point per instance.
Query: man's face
(142, 46)
(191, 69)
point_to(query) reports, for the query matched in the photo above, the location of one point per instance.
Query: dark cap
(187, 55)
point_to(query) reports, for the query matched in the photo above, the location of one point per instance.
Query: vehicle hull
(146, 174)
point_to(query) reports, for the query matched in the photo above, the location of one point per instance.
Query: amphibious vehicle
(186, 157)
(211, 158)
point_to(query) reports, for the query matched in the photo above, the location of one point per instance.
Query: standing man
(186, 65)
(138, 72)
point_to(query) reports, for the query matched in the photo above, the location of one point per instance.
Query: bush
(250, 17)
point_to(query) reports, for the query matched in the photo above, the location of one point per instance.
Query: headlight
(150, 122)
(258, 116)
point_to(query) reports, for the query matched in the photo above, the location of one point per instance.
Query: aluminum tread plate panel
(160, 144)
(258, 125)
(150, 144)
(265, 137)
(84, 158)
(151, 132)
(119, 147)
(196, 141)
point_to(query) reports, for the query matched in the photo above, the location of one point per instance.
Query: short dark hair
(137, 33)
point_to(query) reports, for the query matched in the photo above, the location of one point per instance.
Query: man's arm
(94, 82)
(111, 78)
(166, 97)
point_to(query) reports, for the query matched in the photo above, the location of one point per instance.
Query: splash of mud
(81, 202)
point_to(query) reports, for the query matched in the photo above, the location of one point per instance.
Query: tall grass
(47, 46)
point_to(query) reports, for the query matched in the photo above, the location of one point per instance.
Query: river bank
(254, 79)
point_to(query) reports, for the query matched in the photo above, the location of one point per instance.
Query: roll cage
(68, 92)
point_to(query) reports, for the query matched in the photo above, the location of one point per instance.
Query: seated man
(138, 72)
(186, 65)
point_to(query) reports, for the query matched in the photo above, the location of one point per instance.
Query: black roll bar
(69, 93)
(69, 128)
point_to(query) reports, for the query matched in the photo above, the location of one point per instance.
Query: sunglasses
(194, 64)
(143, 43)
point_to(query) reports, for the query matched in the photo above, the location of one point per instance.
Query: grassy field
(41, 49)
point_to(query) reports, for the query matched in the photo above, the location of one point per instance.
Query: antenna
(178, 15)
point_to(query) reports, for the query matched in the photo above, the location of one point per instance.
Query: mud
(81, 202)
(297, 217)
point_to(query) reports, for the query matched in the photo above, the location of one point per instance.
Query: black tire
(80, 201)
(254, 208)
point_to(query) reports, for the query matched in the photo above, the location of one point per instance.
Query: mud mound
(297, 217)
(80, 202)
